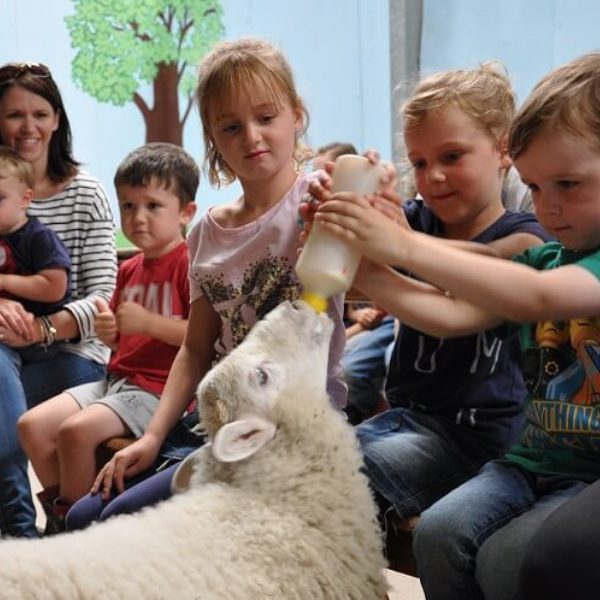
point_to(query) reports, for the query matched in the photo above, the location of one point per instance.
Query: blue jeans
(364, 363)
(24, 386)
(147, 489)
(459, 557)
(412, 459)
(562, 558)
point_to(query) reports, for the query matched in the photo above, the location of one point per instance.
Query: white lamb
(277, 507)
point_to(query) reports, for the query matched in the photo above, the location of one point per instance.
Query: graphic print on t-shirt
(7, 261)
(562, 375)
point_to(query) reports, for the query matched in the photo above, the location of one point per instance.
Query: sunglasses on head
(16, 70)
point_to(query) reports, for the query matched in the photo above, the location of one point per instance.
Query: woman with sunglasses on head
(33, 122)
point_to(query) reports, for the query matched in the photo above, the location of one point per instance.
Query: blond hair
(484, 94)
(567, 100)
(12, 164)
(245, 64)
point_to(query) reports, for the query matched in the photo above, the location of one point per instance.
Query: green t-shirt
(561, 365)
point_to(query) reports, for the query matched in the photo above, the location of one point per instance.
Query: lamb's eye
(261, 375)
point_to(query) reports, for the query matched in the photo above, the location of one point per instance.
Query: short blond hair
(567, 100)
(485, 94)
(244, 64)
(12, 164)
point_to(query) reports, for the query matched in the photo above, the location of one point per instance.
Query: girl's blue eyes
(234, 127)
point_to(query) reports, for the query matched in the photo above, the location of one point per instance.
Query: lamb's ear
(183, 473)
(241, 439)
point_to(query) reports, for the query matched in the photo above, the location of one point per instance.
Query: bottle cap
(318, 303)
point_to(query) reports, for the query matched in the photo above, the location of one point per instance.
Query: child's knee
(436, 531)
(28, 428)
(73, 433)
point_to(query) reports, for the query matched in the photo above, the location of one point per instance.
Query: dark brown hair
(37, 79)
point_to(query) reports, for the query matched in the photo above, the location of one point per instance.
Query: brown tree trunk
(162, 120)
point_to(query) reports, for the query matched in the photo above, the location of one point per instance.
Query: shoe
(55, 509)
(56, 518)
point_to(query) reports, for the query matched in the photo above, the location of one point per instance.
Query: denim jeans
(364, 363)
(562, 558)
(412, 459)
(22, 386)
(147, 489)
(459, 557)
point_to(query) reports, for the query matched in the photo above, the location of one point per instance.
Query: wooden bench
(399, 545)
(105, 451)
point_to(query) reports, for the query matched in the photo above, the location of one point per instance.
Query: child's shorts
(134, 405)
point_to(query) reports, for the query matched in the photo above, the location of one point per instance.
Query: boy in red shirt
(144, 325)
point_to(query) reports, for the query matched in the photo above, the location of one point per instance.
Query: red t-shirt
(161, 286)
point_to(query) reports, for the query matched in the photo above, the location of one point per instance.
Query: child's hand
(126, 463)
(318, 191)
(389, 203)
(132, 318)
(105, 323)
(368, 317)
(389, 181)
(353, 219)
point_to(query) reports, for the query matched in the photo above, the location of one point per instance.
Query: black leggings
(563, 560)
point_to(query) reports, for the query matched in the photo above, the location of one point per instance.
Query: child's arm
(133, 318)
(421, 305)
(503, 288)
(48, 285)
(192, 362)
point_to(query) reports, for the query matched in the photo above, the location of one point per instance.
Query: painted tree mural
(126, 46)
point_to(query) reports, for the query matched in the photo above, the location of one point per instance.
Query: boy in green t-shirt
(553, 291)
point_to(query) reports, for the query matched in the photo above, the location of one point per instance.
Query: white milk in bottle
(327, 265)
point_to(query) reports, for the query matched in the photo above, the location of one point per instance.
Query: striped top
(81, 216)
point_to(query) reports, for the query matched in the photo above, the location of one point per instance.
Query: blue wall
(337, 48)
(529, 36)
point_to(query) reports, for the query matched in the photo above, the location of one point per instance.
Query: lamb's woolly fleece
(293, 521)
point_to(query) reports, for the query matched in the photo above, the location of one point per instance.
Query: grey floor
(404, 587)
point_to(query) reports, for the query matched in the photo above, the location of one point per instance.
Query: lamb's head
(275, 381)
(276, 378)
(257, 387)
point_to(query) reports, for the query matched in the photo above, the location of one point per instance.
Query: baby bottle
(327, 265)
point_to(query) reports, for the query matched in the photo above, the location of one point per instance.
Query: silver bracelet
(49, 332)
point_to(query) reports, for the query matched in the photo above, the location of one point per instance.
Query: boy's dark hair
(168, 164)
(336, 149)
(37, 79)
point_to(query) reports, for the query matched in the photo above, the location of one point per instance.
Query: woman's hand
(126, 463)
(17, 326)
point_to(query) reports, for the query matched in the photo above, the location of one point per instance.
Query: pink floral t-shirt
(247, 271)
